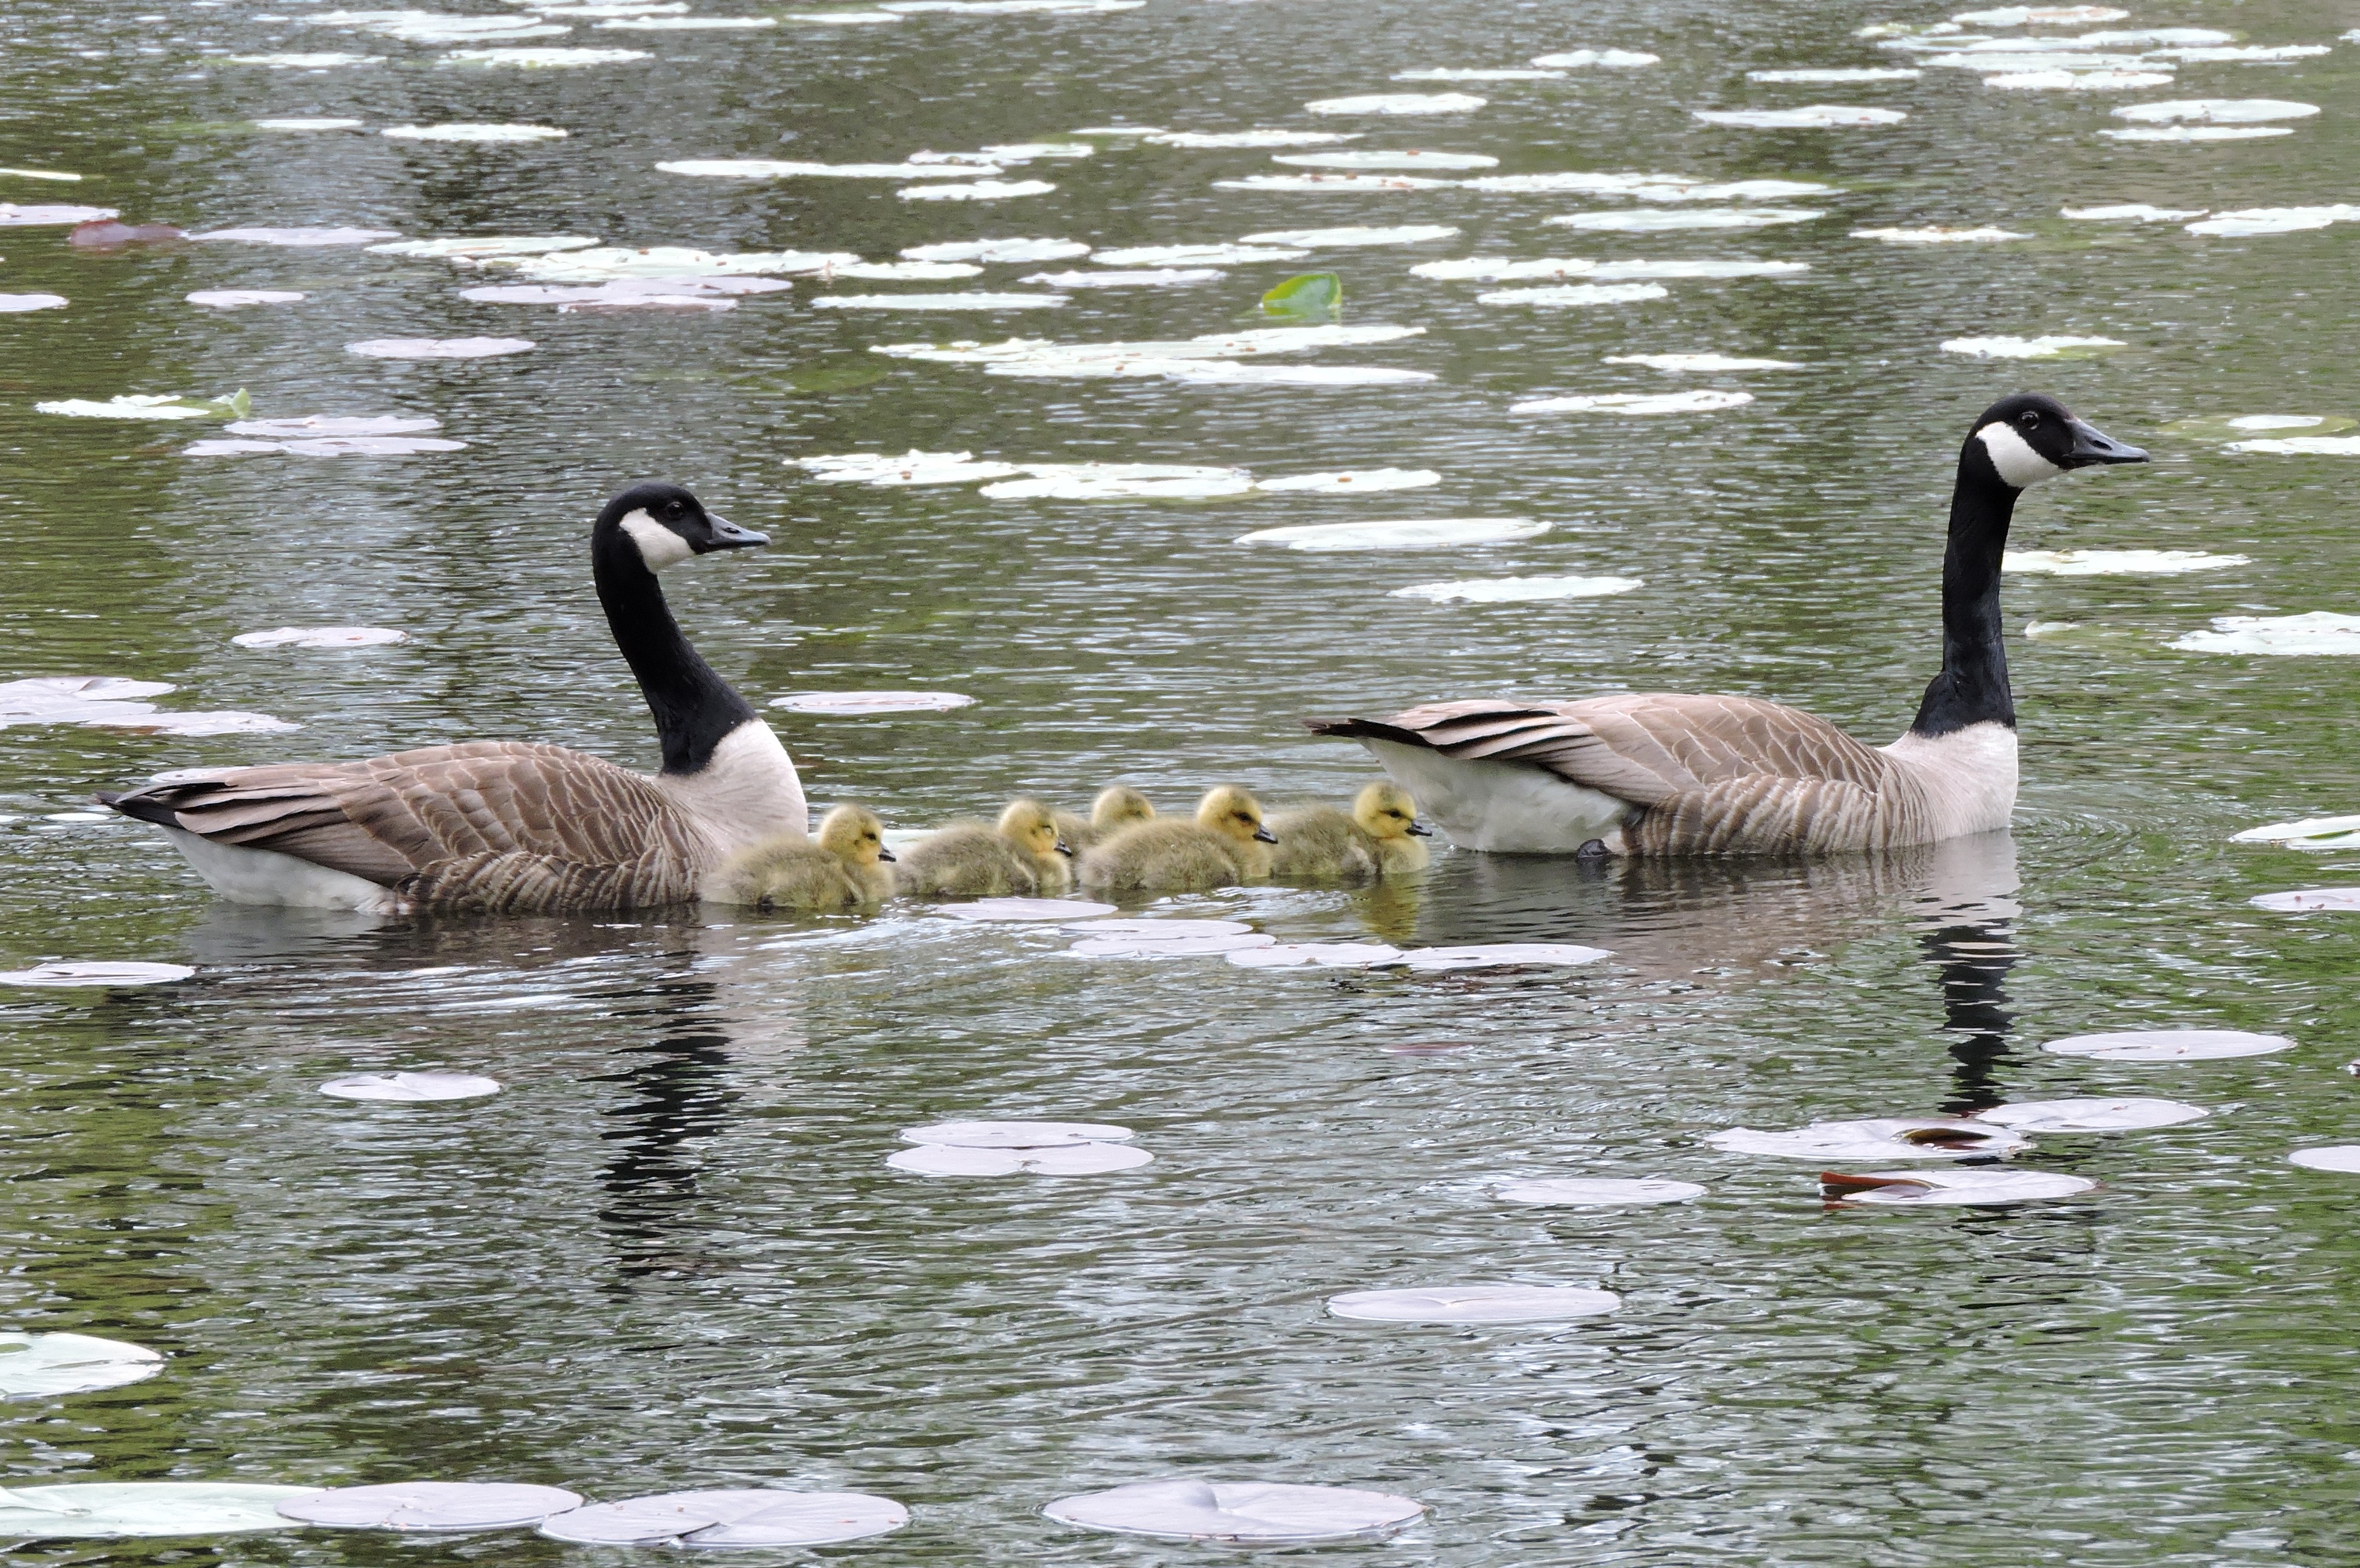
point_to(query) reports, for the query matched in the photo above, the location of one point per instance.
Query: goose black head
(2031, 437)
(669, 525)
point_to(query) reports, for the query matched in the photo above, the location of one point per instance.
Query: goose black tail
(139, 805)
(1364, 729)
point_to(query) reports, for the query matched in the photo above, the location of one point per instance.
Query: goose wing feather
(389, 817)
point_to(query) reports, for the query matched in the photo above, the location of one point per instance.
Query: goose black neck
(694, 706)
(1973, 687)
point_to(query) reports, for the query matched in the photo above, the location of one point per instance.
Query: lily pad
(1128, 277)
(2216, 111)
(2051, 347)
(976, 300)
(2204, 133)
(2117, 563)
(1153, 930)
(1398, 103)
(1245, 1513)
(1316, 955)
(2091, 1116)
(2169, 1044)
(1351, 481)
(1014, 1135)
(1583, 58)
(299, 238)
(2308, 833)
(1321, 239)
(1636, 403)
(1406, 533)
(1023, 909)
(48, 1365)
(82, 974)
(1151, 945)
(1647, 222)
(2343, 1157)
(1598, 1192)
(2310, 900)
(103, 1509)
(869, 704)
(16, 304)
(544, 59)
(1067, 1159)
(1891, 1138)
(1518, 590)
(439, 347)
(980, 191)
(1207, 141)
(1372, 158)
(1306, 294)
(2320, 634)
(432, 1505)
(1847, 74)
(321, 637)
(1501, 955)
(1699, 362)
(998, 250)
(1911, 1189)
(1811, 116)
(1984, 236)
(12, 215)
(474, 133)
(236, 298)
(1475, 1304)
(1195, 254)
(728, 1518)
(411, 1088)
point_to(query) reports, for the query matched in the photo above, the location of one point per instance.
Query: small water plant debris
(2049, 347)
(1583, 58)
(1017, 910)
(411, 1088)
(1913, 1189)
(1888, 1137)
(1195, 254)
(1596, 1192)
(237, 299)
(1636, 403)
(1057, 1159)
(2131, 211)
(2198, 133)
(1475, 1304)
(2310, 901)
(2169, 1044)
(1403, 533)
(1811, 116)
(2117, 563)
(1983, 236)
(868, 704)
(1318, 239)
(439, 347)
(2306, 833)
(2341, 1157)
(2091, 1116)
(13, 304)
(103, 1509)
(2320, 634)
(738, 1518)
(913, 468)
(1242, 1513)
(48, 1366)
(1398, 103)
(432, 1505)
(321, 637)
(1699, 362)
(1518, 590)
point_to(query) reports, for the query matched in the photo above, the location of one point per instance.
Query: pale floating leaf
(2319, 633)
(300, 124)
(2169, 1044)
(2310, 901)
(839, 18)
(83, 973)
(48, 216)
(1150, 930)
(1336, 238)
(2076, 80)
(785, 168)
(864, 705)
(2209, 133)
(2255, 55)
(1567, 294)
(1014, 1135)
(306, 62)
(2216, 111)
(1195, 254)
(685, 24)
(437, 348)
(1853, 73)
(1583, 58)
(1660, 222)
(99, 1510)
(477, 248)
(1316, 955)
(432, 1505)
(1407, 158)
(998, 250)
(300, 238)
(1408, 533)
(2279, 422)
(728, 1518)
(2130, 211)
(1891, 1138)
(1157, 945)
(977, 300)
(1223, 374)
(2308, 833)
(1699, 362)
(1362, 183)
(1445, 73)
(2043, 17)
(2027, 347)
(1244, 1513)
(48, 1366)
(669, 264)
(14, 304)
(1209, 140)
(1353, 481)
(1108, 487)
(2117, 563)
(1912, 1188)
(1398, 103)
(1475, 1304)
(906, 271)
(1811, 116)
(321, 637)
(911, 467)
(1635, 404)
(980, 191)
(1518, 590)
(133, 406)
(2274, 220)
(545, 58)
(2091, 1116)
(1984, 236)
(236, 298)
(1072, 1159)
(1501, 955)
(1130, 277)
(2341, 1157)
(411, 1088)
(1596, 1193)
(1023, 909)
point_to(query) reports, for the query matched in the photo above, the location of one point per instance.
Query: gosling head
(1231, 811)
(1385, 810)
(1033, 827)
(666, 525)
(853, 833)
(1119, 805)
(2031, 437)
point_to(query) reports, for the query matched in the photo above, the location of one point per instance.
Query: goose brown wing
(386, 818)
(1646, 747)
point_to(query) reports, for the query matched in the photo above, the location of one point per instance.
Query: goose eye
(2029, 421)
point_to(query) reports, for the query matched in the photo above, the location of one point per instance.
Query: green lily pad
(1307, 296)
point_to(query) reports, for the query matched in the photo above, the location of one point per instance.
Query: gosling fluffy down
(836, 869)
(1116, 808)
(1021, 857)
(1226, 845)
(1380, 838)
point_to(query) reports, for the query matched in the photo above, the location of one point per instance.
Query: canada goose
(1660, 773)
(541, 828)
(1116, 808)
(1226, 845)
(1021, 857)
(838, 868)
(1378, 838)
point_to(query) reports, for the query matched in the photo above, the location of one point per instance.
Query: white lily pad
(1109, 487)
(48, 1366)
(1911, 1189)
(2283, 421)
(2307, 833)
(319, 425)
(998, 250)
(432, 1505)
(2320, 634)
(1153, 930)
(2117, 563)
(2310, 901)
(1518, 590)
(670, 264)
(2131, 211)
(439, 347)
(1501, 955)
(327, 446)
(1070, 1160)
(685, 24)
(2343, 1157)
(1024, 909)
(1448, 73)
(2091, 1116)
(1652, 222)
(1636, 403)
(1155, 944)
(1351, 481)
(2275, 220)
(324, 123)
(135, 405)
(913, 468)
(545, 58)
(78, 974)
(1404, 157)
(1245, 1513)
(2204, 133)
(1219, 373)
(1322, 239)
(789, 168)
(1011, 8)
(2049, 347)
(862, 705)
(1014, 1135)
(728, 1518)
(312, 61)
(1847, 74)
(411, 1088)
(236, 298)
(1583, 58)
(1398, 103)
(840, 19)
(1811, 116)
(321, 637)
(977, 300)
(104, 1509)
(1699, 362)
(474, 133)
(1475, 1304)
(1128, 277)
(980, 191)
(1195, 254)
(1568, 294)
(2077, 81)
(1333, 182)
(1209, 140)
(2216, 111)
(2042, 17)
(2256, 54)
(1937, 235)
(2169, 1044)
(1405, 533)
(1890, 1137)
(1320, 955)
(1596, 1193)
(16, 304)
(300, 238)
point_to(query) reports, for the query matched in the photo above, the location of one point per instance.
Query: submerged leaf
(1307, 296)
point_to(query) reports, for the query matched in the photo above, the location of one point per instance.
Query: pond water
(670, 1254)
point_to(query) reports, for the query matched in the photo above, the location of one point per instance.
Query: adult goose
(513, 826)
(1665, 774)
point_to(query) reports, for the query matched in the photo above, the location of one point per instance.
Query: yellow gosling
(1020, 857)
(1116, 808)
(1380, 838)
(1226, 845)
(837, 868)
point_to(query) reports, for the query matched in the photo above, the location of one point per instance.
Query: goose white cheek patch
(658, 545)
(2018, 462)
